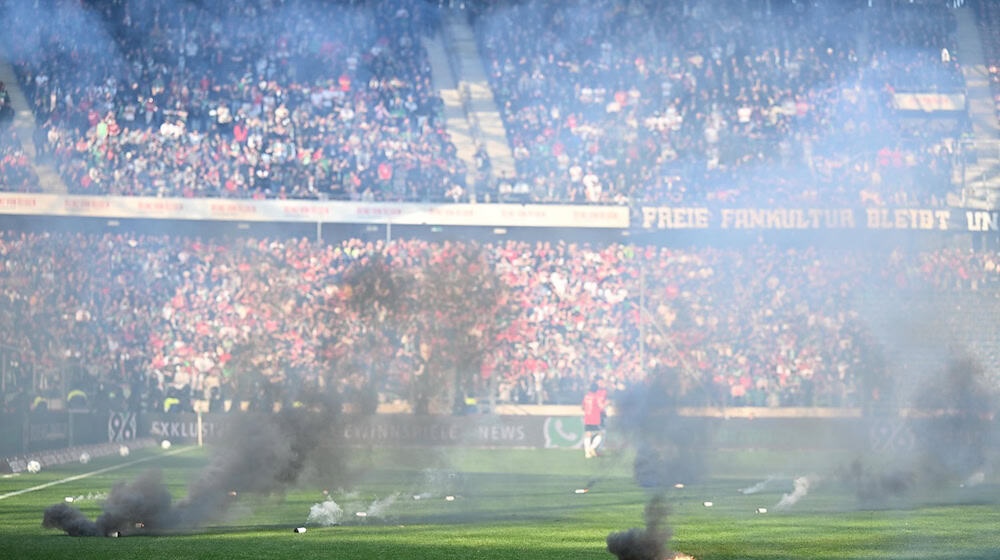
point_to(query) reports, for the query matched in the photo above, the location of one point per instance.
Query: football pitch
(513, 504)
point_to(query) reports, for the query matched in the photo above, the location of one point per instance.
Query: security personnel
(77, 400)
(39, 404)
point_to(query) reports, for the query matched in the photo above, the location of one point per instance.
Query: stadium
(633, 279)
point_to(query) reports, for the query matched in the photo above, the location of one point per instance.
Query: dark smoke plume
(954, 442)
(644, 544)
(874, 487)
(950, 424)
(144, 501)
(264, 456)
(69, 519)
(667, 445)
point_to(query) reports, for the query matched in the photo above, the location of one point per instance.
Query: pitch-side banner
(313, 211)
(929, 102)
(925, 219)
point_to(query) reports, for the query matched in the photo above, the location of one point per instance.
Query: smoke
(129, 506)
(326, 514)
(875, 486)
(757, 487)
(667, 444)
(69, 519)
(330, 513)
(801, 489)
(263, 457)
(644, 544)
(974, 479)
(953, 444)
(938, 428)
(667, 451)
(378, 507)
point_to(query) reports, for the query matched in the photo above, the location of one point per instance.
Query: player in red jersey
(594, 403)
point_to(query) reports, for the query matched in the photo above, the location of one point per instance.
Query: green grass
(520, 504)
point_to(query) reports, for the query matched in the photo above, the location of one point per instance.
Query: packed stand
(251, 98)
(16, 173)
(643, 102)
(255, 320)
(988, 19)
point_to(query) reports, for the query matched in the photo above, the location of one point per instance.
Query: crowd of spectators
(16, 173)
(252, 319)
(619, 101)
(612, 101)
(249, 98)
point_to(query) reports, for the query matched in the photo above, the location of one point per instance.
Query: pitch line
(92, 473)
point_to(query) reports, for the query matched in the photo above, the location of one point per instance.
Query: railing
(979, 161)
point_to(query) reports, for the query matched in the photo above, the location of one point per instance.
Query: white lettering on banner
(787, 218)
(979, 220)
(501, 433)
(402, 432)
(907, 218)
(666, 217)
(172, 429)
(311, 211)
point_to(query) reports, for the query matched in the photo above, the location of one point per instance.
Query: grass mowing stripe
(92, 473)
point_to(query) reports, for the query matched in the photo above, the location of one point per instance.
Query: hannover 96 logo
(565, 432)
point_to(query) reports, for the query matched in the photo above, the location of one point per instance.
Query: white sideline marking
(92, 473)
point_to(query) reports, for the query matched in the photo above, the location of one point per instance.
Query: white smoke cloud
(757, 487)
(379, 507)
(326, 514)
(802, 485)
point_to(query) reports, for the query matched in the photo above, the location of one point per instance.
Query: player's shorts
(591, 428)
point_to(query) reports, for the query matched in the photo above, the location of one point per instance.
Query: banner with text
(552, 432)
(313, 211)
(919, 219)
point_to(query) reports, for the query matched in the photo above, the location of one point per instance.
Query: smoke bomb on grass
(263, 458)
(326, 514)
(975, 479)
(649, 543)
